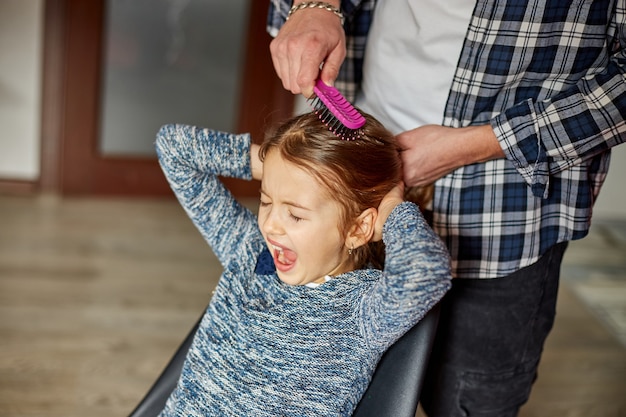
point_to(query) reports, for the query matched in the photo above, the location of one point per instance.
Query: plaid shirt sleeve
(277, 15)
(546, 136)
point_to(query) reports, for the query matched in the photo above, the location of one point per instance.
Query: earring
(351, 249)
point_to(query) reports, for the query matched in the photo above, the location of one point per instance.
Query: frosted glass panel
(169, 61)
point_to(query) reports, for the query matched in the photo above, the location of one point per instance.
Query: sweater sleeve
(416, 276)
(192, 158)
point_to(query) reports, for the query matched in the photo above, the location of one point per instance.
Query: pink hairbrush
(336, 112)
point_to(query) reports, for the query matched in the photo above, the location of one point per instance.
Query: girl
(302, 312)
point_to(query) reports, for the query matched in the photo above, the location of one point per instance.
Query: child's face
(300, 224)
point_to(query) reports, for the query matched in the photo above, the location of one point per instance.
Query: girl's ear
(362, 230)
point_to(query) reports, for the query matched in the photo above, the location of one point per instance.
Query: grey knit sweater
(265, 348)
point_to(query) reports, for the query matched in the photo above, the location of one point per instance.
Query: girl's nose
(271, 224)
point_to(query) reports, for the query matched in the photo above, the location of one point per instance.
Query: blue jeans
(489, 341)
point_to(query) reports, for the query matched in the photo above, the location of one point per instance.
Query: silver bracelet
(318, 5)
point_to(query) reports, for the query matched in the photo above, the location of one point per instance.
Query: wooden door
(72, 163)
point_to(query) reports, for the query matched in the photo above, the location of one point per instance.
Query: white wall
(21, 26)
(611, 203)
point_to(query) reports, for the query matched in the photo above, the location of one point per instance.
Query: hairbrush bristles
(336, 112)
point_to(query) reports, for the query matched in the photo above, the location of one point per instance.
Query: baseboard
(19, 187)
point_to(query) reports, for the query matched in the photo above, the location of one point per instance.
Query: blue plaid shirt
(549, 78)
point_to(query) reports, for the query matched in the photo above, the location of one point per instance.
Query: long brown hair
(357, 173)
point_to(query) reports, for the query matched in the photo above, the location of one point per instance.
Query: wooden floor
(95, 295)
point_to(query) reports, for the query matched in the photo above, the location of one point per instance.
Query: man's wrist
(334, 3)
(333, 7)
(485, 144)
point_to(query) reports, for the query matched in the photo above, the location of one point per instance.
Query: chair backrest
(393, 392)
(397, 382)
(154, 401)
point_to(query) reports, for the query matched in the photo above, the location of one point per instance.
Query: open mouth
(283, 258)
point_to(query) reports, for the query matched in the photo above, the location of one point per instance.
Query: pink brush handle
(338, 105)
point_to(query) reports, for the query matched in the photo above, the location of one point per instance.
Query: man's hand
(309, 39)
(429, 152)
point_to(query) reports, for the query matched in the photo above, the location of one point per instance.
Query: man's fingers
(330, 69)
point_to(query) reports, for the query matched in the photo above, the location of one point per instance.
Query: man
(510, 108)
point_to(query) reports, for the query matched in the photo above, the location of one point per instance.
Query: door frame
(73, 51)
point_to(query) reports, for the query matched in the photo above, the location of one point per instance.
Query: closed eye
(264, 200)
(294, 218)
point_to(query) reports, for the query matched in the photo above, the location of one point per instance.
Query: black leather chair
(393, 392)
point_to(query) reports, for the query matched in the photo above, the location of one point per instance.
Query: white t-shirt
(411, 55)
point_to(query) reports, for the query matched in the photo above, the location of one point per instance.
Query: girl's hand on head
(256, 166)
(388, 203)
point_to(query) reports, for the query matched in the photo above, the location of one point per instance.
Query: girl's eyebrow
(296, 205)
(288, 202)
